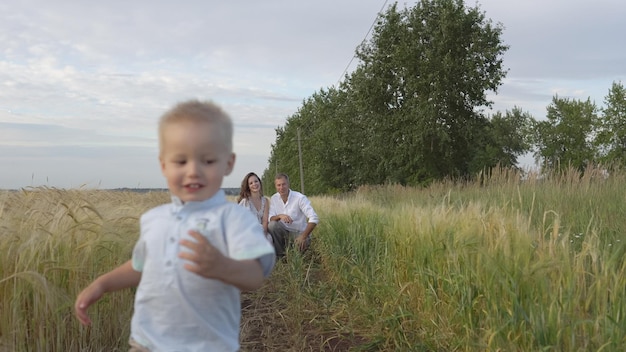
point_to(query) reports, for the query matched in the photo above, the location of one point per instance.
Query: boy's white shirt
(173, 305)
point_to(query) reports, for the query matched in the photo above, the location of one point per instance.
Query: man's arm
(307, 209)
(301, 240)
(309, 212)
(272, 208)
(307, 231)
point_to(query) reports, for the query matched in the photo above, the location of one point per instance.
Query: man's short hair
(282, 175)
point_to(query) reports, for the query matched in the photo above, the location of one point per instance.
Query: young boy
(195, 254)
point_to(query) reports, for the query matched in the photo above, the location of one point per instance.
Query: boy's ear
(230, 164)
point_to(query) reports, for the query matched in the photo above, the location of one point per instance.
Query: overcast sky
(84, 82)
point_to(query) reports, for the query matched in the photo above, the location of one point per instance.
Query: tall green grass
(496, 265)
(506, 263)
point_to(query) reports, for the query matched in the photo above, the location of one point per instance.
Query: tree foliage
(505, 138)
(611, 138)
(565, 138)
(411, 112)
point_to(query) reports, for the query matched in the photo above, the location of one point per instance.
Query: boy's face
(194, 160)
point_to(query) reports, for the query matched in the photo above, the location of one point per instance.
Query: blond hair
(198, 112)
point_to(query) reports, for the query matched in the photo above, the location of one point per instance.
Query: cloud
(562, 39)
(82, 84)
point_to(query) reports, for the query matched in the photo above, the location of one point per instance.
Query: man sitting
(292, 218)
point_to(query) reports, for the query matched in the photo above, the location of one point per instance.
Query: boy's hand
(85, 299)
(205, 260)
(123, 276)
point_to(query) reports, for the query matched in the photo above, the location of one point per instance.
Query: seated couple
(289, 216)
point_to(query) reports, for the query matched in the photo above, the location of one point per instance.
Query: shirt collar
(217, 199)
(288, 196)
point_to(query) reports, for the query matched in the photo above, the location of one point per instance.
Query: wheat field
(509, 262)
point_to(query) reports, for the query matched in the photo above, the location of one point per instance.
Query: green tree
(423, 78)
(284, 155)
(505, 138)
(326, 167)
(411, 112)
(565, 139)
(337, 142)
(611, 139)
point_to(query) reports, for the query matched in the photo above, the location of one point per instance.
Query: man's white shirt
(298, 207)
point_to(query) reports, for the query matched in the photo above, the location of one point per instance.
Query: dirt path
(267, 326)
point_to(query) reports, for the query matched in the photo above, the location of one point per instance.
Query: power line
(363, 41)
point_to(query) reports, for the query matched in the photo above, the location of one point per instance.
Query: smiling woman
(252, 198)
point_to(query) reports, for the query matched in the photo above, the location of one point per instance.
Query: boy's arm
(123, 276)
(206, 261)
(246, 275)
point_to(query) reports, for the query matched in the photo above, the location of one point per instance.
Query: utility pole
(300, 159)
